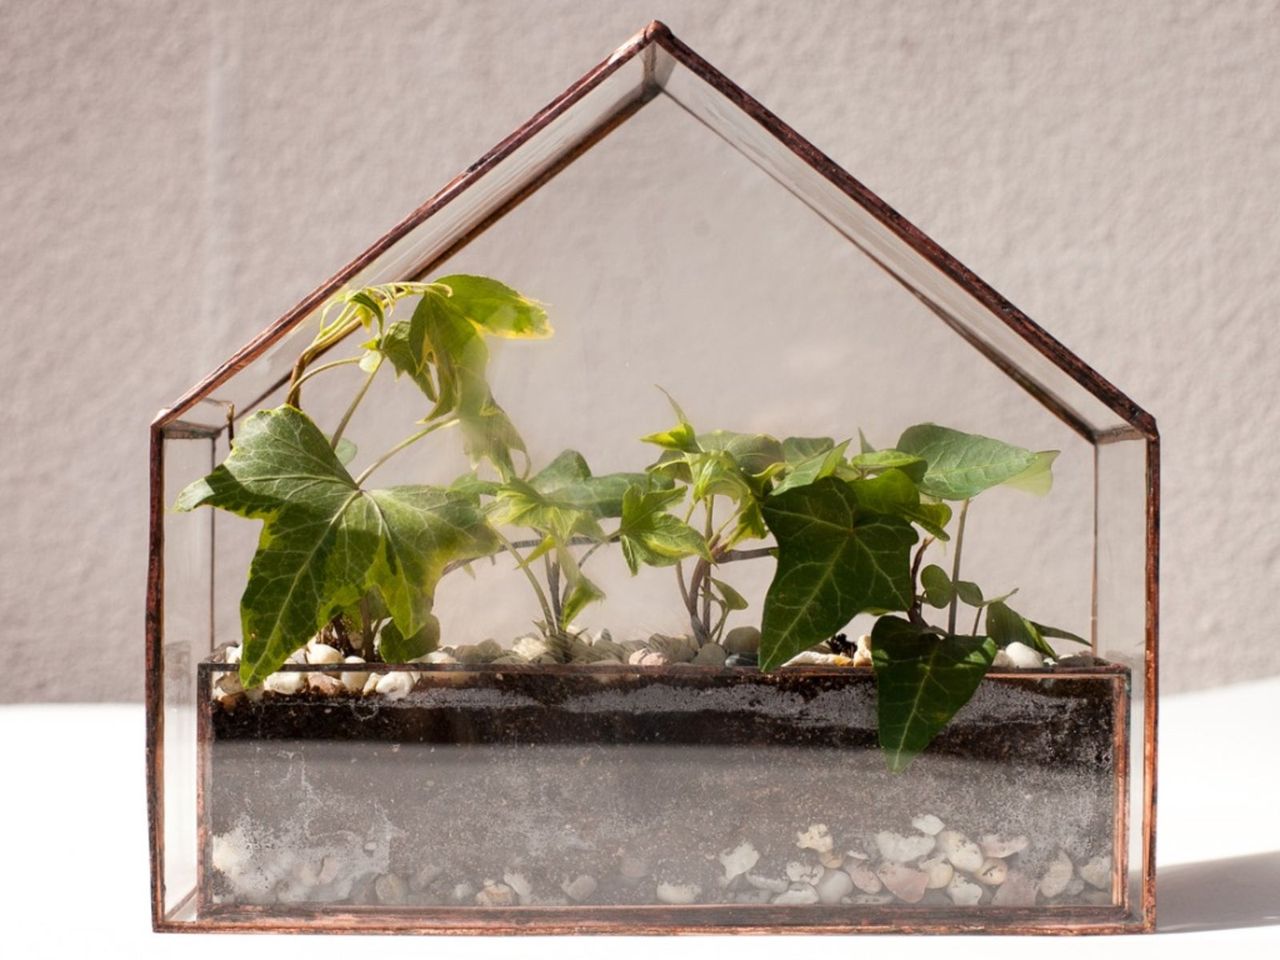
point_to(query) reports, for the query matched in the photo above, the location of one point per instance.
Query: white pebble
(531, 647)
(963, 853)
(832, 859)
(580, 887)
(864, 878)
(427, 874)
(232, 654)
(801, 895)
(939, 870)
(286, 682)
(798, 872)
(323, 653)
(463, 892)
(834, 886)
(767, 883)
(371, 684)
(389, 888)
(903, 882)
(496, 895)
(862, 653)
(1023, 657)
(738, 860)
(928, 823)
(900, 849)
(963, 891)
(354, 680)
(396, 685)
(815, 837)
(519, 883)
(679, 893)
(1018, 890)
(1097, 873)
(992, 872)
(1057, 875)
(999, 846)
(438, 656)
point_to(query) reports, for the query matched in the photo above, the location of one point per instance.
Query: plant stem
(553, 586)
(407, 441)
(323, 367)
(955, 568)
(914, 613)
(552, 622)
(708, 533)
(355, 402)
(729, 556)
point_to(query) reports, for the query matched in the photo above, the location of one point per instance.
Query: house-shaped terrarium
(623, 543)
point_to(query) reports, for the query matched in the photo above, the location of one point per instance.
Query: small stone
(963, 891)
(439, 656)
(322, 653)
(426, 875)
(963, 853)
(1098, 898)
(862, 654)
(992, 872)
(752, 896)
(928, 823)
(633, 868)
(999, 846)
(798, 872)
(801, 895)
(834, 886)
(325, 684)
(495, 895)
(738, 860)
(678, 893)
(232, 654)
(1057, 875)
(864, 878)
(531, 647)
(832, 859)
(742, 640)
(900, 849)
(354, 680)
(285, 682)
(903, 882)
(1075, 887)
(395, 685)
(371, 684)
(816, 658)
(939, 870)
(580, 887)
(648, 658)
(1023, 657)
(390, 888)
(510, 657)
(679, 649)
(741, 660)
(330, 867)
(1018, 890)
(871, 899)
(710, 655)
(484, 652)
(767, 883)
(606, 651)
(1097, 873)
(519, 883)
(1001, 661)
(815, 837)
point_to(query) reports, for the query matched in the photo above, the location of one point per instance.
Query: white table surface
(73, 862)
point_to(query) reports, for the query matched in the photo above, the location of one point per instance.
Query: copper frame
(654, 39)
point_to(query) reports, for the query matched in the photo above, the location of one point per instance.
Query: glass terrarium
(621, 543)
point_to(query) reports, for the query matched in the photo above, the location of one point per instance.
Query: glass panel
(1121, 611)
(189, 452)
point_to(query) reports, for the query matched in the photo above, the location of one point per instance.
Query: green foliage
(922, 678)
(326, 542)
(836, 559)
(846, 529)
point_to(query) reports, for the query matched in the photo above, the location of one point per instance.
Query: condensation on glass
(682, 236)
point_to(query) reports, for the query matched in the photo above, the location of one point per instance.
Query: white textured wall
(173, 175)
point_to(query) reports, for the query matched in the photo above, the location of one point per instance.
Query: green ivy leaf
(969, 592)
(962, 465)
(922, 679)
(325, 542)
(894, 494)
(395, 647)
(938, 590)
(1057, 633)
(582, 592)
(877, 461)
(1006, 626)
(808, 459)
(650, 535)
(835, 560)
(730, 597)
(496, 308)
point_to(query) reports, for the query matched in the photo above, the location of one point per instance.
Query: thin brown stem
(955, 568)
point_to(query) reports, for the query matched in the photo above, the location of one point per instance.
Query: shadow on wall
(1220, 894)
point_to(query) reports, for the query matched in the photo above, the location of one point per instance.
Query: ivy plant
(848, 531)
